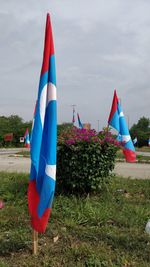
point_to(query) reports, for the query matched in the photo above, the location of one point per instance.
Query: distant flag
(149, 141)
(33, 121)
(44, 137)
(79, 121)
(118, 122)
(27, 138)
(73, 118)
(135, 141)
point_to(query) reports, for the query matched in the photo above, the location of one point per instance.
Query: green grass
(105, 230)
(143, 149)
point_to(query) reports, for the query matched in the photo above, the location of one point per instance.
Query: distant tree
(13, 124)
(141, 130)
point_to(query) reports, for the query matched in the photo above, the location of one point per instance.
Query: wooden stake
(35, 242)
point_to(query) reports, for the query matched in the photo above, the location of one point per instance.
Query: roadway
(12, 163)
(10, 151)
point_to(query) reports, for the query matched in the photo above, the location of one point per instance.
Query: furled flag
(44, 137)
(118, 122)
(79, 121)
(73, 118)
(27, 138)
(135, 141)
(33, 122)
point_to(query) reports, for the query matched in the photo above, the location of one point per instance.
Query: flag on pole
(33, 122)
(79, 121)
(27, 138)
(73, 118)
(118, 122)
(44, 137)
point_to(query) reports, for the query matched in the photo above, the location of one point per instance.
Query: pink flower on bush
(75, 136)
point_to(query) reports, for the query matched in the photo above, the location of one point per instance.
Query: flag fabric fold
(44, 138)
(118, 122)
(79, 121)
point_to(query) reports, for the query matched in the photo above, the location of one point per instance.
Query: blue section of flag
(52, 72)
(43, 146)
(80, 125)
(43, 82)
(129, 145)
(79, 122)
(46, 195)
(115, 121)
(118, 122)
(27, 139)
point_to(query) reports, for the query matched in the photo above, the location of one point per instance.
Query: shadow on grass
(11, 245)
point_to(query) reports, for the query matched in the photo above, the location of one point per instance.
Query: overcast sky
(99, 45)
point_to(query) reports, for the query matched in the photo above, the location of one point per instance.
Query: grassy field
(143, 149)
(106, 230)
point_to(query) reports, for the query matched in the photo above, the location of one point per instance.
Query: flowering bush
(85, 160)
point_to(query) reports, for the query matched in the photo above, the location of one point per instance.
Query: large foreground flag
(79, 121)
(43, 145)
(118, 122)
(27, 138)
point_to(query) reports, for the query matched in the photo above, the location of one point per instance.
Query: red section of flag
(26, 132)
(130, 155)
(27, 145)
(114, 106)
(49, 47)
(39, 224)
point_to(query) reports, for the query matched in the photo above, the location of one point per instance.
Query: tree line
(15, 124)
(141, 131)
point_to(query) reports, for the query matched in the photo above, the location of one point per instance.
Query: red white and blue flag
(44, 138)
(79, 121)
(27, 139)
(118, 122)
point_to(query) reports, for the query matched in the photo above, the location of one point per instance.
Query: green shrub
(85, 160)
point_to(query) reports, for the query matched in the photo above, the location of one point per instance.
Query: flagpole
(35, 242)
(73, 109)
